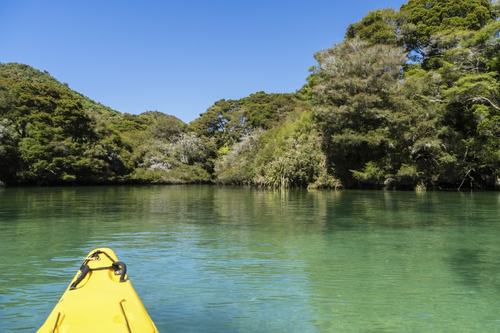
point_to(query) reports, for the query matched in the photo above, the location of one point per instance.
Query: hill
(410, 99)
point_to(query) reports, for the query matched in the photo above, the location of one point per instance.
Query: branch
(463, 180)
(484, 99)
(430, 99)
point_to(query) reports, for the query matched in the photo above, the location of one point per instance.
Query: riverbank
(218, 184)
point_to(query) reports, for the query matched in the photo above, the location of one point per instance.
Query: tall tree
(377, 27)
(352, 95)
(424, 18)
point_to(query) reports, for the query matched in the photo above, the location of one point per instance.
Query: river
(228, 259)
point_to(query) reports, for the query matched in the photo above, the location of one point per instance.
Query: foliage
(183, 174)
(227, 121)
(290, 155)
(50, 134)
(378, 27)
(51, 138)
(235, 166)
(424, 18)
(165, 153)
(410, 99)
(431, 123)
(8, 150)
(354, 100)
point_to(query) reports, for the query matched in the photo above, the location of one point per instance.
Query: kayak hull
(100, 298)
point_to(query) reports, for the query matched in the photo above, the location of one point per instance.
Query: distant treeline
(410, 99)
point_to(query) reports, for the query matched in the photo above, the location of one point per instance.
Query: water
(210, 259)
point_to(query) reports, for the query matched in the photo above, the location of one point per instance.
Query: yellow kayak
(100, 298)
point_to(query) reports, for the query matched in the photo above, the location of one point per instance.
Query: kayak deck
(100, 298)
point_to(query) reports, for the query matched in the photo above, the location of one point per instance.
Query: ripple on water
(210, 259)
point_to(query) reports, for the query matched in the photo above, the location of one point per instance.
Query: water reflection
(212, 259)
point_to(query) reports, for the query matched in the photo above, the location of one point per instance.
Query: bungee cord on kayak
(118, 267)
(100, 298)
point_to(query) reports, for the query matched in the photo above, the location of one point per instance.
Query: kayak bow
(100, 298)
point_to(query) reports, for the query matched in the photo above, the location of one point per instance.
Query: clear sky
(177, 57)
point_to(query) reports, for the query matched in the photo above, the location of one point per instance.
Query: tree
(8, 152)
(421, 19)
(47, 135)
(378, 27)
(353, 101)
(473, 113)
(227, 121)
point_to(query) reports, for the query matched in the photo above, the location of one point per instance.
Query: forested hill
(410, 99)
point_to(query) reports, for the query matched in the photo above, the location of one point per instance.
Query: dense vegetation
(410, 99)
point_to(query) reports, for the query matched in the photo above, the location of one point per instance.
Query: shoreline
(255, 187)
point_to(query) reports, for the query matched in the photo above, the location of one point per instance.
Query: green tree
(49, 136)
(353, 94)
(377, 27)
(424, 18)
(9, 159)
(227, 121)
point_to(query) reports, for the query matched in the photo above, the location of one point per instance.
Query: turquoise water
(221, 259)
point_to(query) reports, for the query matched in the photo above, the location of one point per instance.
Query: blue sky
(177, 57)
